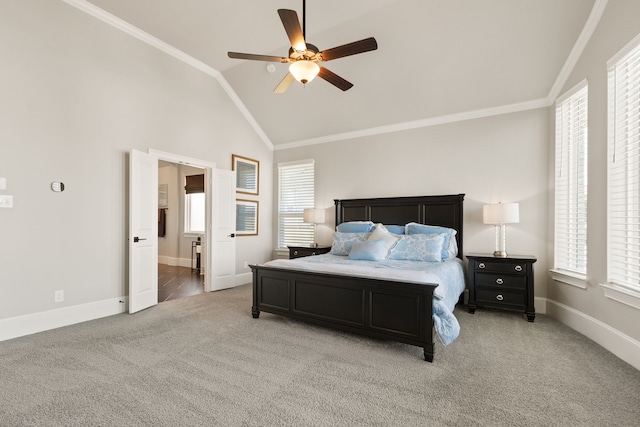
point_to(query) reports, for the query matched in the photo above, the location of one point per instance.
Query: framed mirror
(246, 217)
(247, 174)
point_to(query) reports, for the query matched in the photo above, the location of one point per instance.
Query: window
(570, 241)
(295, 193)
(194, 204)
(624, 169)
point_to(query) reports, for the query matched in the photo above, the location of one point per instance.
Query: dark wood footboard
(397, 311)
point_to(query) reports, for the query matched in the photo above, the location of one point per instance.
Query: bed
(388, 306)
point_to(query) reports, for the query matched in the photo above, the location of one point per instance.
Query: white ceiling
(435, 58)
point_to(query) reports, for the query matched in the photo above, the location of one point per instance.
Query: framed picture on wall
(247, 174)
(246, 217)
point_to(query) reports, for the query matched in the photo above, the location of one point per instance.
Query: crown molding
(581, 43)
(415, 124)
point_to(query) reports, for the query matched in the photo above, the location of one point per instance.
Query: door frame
(208, 174)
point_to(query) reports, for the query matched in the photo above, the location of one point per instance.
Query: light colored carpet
(204, 361)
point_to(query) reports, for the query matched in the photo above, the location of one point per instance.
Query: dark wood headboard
(445, 211)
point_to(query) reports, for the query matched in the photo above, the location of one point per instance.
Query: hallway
(177, 282)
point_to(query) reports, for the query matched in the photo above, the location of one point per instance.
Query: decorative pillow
(419, 247)
(342, 242)
(396, 229)
(381, 233)
(355, 227)
(449, 235)
(371, 250)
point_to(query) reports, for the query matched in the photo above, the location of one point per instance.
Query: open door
(223, 209)
(143, 231)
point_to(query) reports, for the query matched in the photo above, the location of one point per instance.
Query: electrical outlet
(58, 296)
(246, 264)
(6, 201)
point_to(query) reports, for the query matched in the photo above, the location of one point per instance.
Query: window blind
(194, 184)
(624, 170)
(570, 239)
(295, 193)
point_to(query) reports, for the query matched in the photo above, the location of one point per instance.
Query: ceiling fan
(304, 57)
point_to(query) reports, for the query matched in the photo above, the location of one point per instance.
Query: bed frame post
(255, 312)
(429, 351)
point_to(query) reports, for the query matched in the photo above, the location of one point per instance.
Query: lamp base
(500, 254)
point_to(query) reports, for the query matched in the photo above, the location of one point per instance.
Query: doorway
(180, 256)
(218, 246)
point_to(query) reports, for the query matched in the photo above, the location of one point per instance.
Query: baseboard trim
(623, 346)
(172, 261)
(243, 278)
(28, 324)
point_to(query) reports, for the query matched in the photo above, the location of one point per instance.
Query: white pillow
(381, 233)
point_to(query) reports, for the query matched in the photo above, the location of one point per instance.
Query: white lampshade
(315, 216)
(501, 213)
(304, 71)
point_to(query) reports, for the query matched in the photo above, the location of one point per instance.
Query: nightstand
(300, 251)
(505, 283)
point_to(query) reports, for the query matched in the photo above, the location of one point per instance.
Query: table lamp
(314, 216)
(500, 214)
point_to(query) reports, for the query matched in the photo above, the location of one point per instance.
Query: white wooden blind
(295, 193)
(570, 241)
(624, 169)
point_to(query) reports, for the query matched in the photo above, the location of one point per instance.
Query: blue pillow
(355, 227)
(395, 229)
(371, 250)
(419, 247)
(342, 242)
(449, 233)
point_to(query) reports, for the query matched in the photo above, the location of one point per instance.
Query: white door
(143, 231)
(223, 209)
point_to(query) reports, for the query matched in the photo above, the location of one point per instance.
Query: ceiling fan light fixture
(304, 71)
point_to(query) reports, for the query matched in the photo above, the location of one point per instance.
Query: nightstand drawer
(492, 297)
(497, 266)
(302, 251)
(511, 281)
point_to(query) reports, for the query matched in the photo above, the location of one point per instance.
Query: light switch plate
(3, 183)
(6, 201)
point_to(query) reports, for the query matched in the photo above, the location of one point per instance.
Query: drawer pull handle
(499, 281)
(295, 252)
(518, 268)
(481, 265)
(499, 297)
(313, 253)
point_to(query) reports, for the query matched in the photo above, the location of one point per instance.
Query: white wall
(77, 96)
(501, 158)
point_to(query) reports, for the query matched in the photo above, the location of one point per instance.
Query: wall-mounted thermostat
(57, 186)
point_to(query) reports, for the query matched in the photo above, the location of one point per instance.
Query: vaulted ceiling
(436, 59)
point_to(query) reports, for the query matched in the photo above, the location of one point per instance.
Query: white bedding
(449, 276)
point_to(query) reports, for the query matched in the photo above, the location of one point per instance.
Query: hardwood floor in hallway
(177, 282)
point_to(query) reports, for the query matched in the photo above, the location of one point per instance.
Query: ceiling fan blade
(291, 24)
(334, 79)
(254, 57)
(284, 83)
(354, 48)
